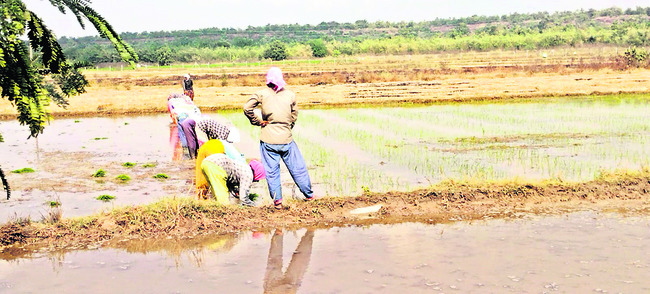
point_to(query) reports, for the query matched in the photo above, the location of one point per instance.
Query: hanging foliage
(22, 78)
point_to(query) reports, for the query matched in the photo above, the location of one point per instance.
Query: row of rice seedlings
(431, 164)
(340, 174)
(575, 161)
(508, 119)
(547, 165)
(390, 133)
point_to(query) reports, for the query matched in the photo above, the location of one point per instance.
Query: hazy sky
(167, 15)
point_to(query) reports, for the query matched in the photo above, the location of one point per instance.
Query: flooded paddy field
(578, 252)
(348, 150)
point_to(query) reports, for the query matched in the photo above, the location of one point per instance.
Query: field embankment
(450, 201)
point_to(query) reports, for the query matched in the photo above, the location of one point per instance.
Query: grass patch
(123, 178)
(54, 203)
(23, 170)
(100, 138)
(161, 176)
(128, 164)
(77, 121)
(149, 165)
(100, 173)
(105, 197)
(183, 216)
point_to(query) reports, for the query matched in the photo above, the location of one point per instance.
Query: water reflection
(288, 282)
(175, 143)
(583, 252)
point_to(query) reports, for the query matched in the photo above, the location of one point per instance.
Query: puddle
(584, 252)
(70, 150)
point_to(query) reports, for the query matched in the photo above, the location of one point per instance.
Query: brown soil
(183, 218)
(407, 80)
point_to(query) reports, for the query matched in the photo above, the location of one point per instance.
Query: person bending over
(228, 177)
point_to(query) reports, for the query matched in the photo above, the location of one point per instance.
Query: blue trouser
(271, 154)
(181, 135)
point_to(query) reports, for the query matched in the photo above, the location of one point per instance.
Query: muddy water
(71, 150)
(582, 252)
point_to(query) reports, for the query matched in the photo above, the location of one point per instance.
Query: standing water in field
(582, 252)
(347, 150)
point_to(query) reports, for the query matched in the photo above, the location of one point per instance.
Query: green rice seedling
(23, 170)
(105, 197)
(100, 173)
(128, 164)
(123, 178)
(161, 176)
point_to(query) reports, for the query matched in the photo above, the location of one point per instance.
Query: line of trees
(515, 31)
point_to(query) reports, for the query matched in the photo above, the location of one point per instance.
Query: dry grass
(417, 78)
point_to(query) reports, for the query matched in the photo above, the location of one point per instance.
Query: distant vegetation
(516, 31)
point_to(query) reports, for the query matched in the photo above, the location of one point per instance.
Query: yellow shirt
(208, 148)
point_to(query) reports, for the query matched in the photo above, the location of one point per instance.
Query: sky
(168, 15)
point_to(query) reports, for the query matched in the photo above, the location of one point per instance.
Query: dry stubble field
(362, 80)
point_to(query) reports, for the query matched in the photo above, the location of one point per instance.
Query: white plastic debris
(367, 209)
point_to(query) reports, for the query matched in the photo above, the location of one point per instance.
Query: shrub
(318, 48)
(123, 178)
(105, 197)
(276, 51)
(23, 170)
(161, 176)
(128, 164)
(100, 173)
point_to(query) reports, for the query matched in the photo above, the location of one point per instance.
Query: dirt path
(184, 217)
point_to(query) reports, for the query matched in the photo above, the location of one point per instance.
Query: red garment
(190, 93)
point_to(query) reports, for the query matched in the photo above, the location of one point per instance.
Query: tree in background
(318, 48)
(276, 51)
(163, 56)
(23, 78)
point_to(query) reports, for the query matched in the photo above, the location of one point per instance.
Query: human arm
(249, 108)
(245, 182)
(200, 181)
(294, 112)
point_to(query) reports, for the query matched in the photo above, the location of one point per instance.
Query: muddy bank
(185, 218)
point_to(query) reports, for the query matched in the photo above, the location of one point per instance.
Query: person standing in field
(188, 86)
(279, 114)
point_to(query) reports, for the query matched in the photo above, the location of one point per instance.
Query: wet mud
(183, 218)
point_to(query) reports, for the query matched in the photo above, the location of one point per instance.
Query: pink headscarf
(258, 170)
(274, 75)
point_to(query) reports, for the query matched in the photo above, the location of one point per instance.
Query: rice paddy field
(352, 150)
